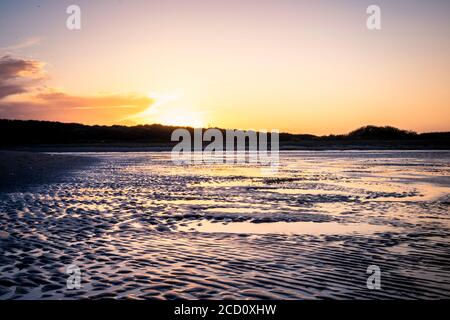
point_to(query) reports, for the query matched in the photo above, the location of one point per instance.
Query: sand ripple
(123, 222)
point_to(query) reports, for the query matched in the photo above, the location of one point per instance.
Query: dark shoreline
(47, 136)
(150, 147)
(20, 169)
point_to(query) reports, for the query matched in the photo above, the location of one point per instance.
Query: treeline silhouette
(33, 133)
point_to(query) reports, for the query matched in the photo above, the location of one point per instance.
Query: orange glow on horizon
(300, 67)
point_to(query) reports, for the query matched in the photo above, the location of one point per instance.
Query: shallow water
(282, 227)
(139, 226)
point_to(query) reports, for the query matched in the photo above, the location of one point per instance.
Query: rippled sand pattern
(140, 227)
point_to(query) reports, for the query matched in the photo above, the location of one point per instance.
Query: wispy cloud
(19, 46)
(93, 102)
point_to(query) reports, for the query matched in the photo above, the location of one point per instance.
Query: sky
(292, 65)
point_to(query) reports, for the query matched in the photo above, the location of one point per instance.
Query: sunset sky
(297, 66)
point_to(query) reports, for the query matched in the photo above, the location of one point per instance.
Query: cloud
(26, 43)
(59, 106)
(16, 67)
(10, 89)
(17, 75)
(22, 96)
(93, 102)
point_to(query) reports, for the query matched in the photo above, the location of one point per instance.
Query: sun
(181, 117)
(171, 109)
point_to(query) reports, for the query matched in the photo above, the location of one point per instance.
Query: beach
(20, 169)
(140, 227)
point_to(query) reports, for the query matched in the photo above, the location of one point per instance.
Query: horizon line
(215, 127)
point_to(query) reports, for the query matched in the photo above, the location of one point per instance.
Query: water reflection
(298, 228)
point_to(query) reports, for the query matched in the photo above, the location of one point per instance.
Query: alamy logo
(374, 19)
(73, 21)
(74, 280)
(238, 146)
(374, 280)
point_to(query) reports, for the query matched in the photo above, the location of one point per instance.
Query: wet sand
(21, 169)
(140, 227)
